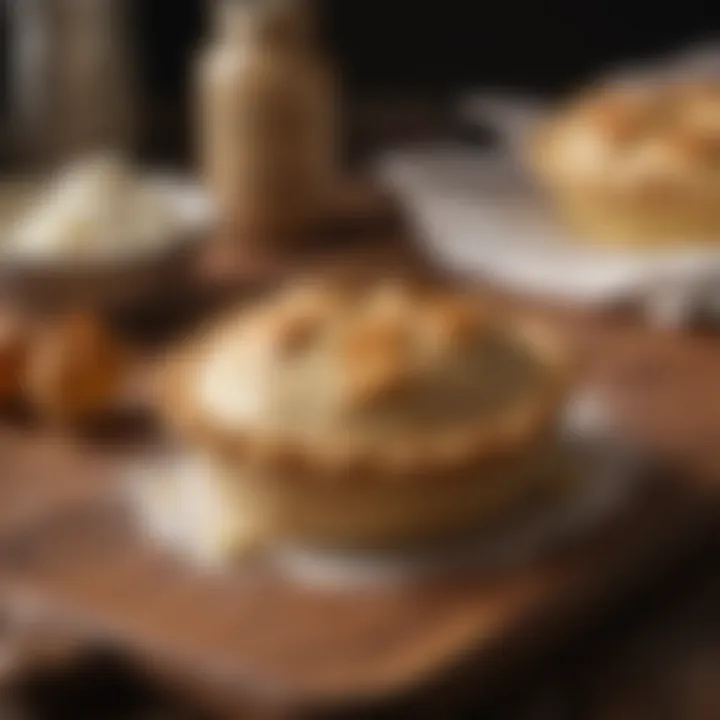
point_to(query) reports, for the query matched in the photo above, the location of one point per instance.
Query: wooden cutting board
(254, 633)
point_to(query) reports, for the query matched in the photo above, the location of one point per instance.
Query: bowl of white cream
(101, 231)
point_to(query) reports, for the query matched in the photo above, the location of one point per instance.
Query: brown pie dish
(373, 416)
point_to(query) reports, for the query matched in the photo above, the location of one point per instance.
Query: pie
(635, 165)
(370, 416)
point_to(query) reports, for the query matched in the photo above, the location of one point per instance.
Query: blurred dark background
(402, 45)
(409, 49)
(405, 45)
(406, 48)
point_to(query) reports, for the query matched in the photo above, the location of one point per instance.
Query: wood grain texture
(273, 639)
(253, 636)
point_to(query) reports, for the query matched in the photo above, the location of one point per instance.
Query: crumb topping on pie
(394, 375)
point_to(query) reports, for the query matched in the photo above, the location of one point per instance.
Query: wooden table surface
(668, 388)
(658, 657)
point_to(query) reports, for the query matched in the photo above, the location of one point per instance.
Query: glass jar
(267, 119)
(72, 82)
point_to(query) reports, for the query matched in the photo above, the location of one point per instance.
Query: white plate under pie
(175, 509)
(478, 214)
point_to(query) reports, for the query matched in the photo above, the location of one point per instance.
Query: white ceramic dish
(478, 213)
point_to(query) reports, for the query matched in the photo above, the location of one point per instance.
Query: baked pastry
(75, 370)
(636, 165)
(369, 417)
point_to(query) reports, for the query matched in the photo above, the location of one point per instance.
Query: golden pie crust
(635, 165)
(397, 357)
